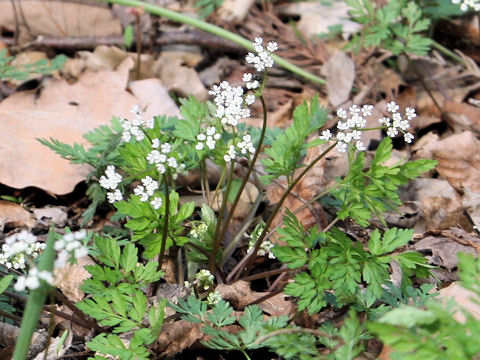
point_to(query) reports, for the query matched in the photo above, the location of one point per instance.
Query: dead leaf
(440, 205)
(57, 347)
(66, 112)
(60, 18)
(177, 336)
(51, 214)
(174, 71)
(467, 299)
(463, 116)
(14, 215)
(460, 167)
(339, 71)
(240, 295)
(235, 11)
(444, 248)
(316, 18)
(70, 277)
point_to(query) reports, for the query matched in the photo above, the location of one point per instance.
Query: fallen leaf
(445, 247)
(460, 167)
(440, 205)
(70, 277)
(59, 18)
(14, 215)
(176, 337)
(463, 116)
(240, 295)
(467, 299)
(339, 71)
(51, 214)
(57, 347)
(66, 112)
(235, 11)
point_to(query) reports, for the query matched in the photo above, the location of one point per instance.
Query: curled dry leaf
(14, 215)
(71, 277)
(65, 112)
(339, 71)
(439, 203)
(176, 337)
(458, 159)
(240, 295)
(59, 18)
(445, 245)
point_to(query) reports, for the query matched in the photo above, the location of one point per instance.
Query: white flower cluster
(213, 298)
(263, 59)
(135, 127)
(246, 145)
(110, 181)
(17, 246)
(198, 230)
(161, 160)
(348, 127)
(209, 138)
(146, 191)
(23, 244)
(353, 122)
(397, 122)
(265, 248)
(230, 155)
(466, 4)
(231, 105)
(204, 279)
(68, 246)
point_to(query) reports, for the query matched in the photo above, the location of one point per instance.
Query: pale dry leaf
(240, 295)
(444, 248)
(176, 337)
(14, 215)
(57, 347)
(462, 116)
(467, 299)
(51, 214)
(235, 11)
(172, 68)
(458, 159)
(66, 112)
(316, 18)
(70, 277)
(60, 18)
(440, 205)
(339, 71)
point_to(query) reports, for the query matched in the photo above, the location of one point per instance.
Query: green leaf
(5, 282)
(392, 239)
(129, 258)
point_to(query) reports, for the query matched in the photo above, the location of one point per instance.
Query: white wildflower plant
(466, 5)
(352, 123)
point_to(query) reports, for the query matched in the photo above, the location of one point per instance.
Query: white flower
(272, 46)
(247, 77)
(392, 107)
(204, 279)
(166, 148)
(199, 146)
(156, 203)
(111, 179)
(155, 143)
(326, 135)
(410, 113)
(360, 146)
(213, 298)
(114, 196)
(408, 137)
(466, 4)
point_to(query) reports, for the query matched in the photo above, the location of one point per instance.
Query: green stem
(245, 354)
(217, 238)
(249, 171)
(448, 52)
(165, 223)
(280, 203)
(216, 30)
(35, 303)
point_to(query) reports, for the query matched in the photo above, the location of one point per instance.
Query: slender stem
(317, 333)
(245, 354)
(280, 203)
(249, 171)
(266, 274)
(165, 222)
(35, 303)
(216, 30)
(217, 238)
(447, 52)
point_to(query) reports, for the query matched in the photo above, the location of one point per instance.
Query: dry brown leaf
(70, 277)
(445, 247)
(440, 205)
(51, 214)
(173, 68)
(458, 159)
(467, 299)
(339, 71)
(235, 11)
(60, 18)
(240, 295)
(176, 337)
(66, 112)
(57, 347)
(463, 116)
(315, 18)
(14, 215)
